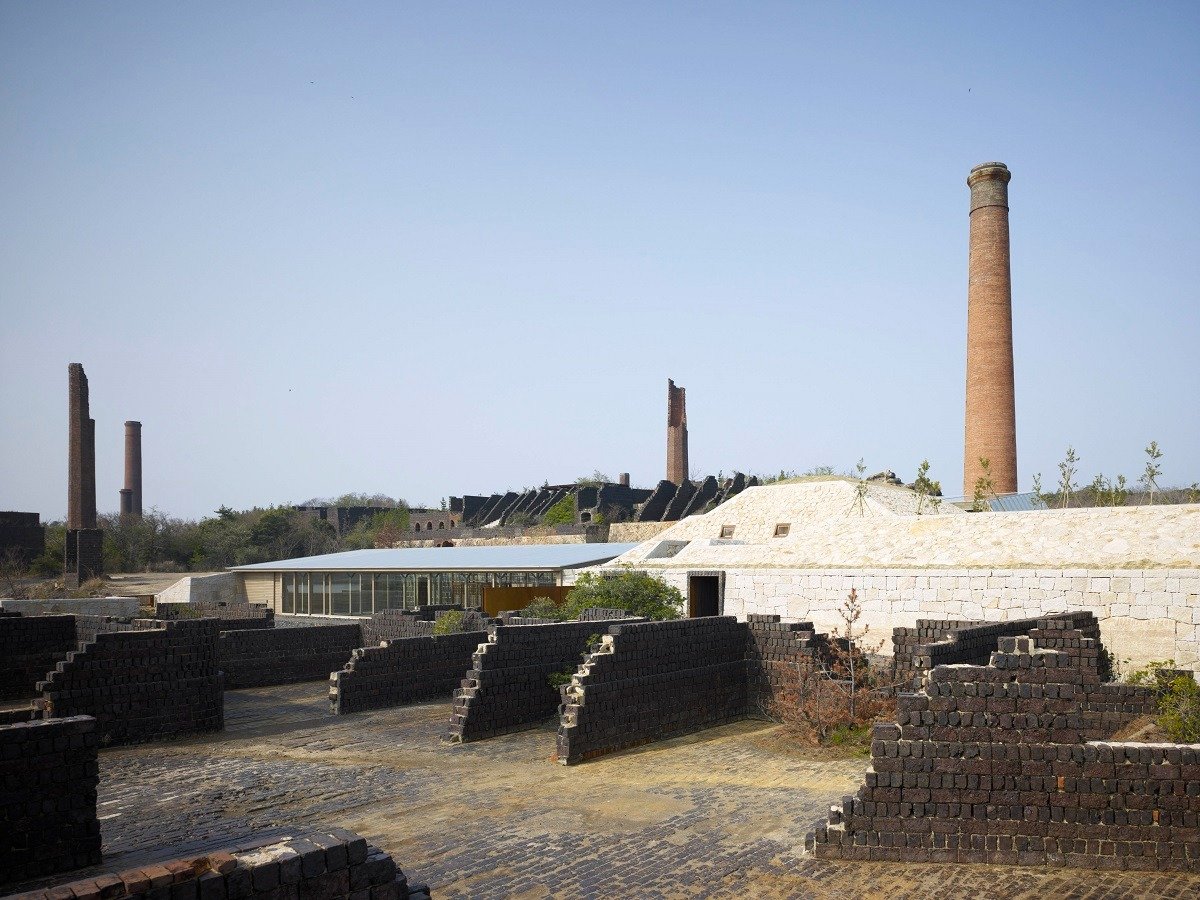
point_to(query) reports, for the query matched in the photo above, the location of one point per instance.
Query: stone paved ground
(719, 814)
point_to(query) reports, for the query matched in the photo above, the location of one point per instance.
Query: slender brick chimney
(83, 551)
(133, 470)
(677, 437)
(623, 479)
(991, 420)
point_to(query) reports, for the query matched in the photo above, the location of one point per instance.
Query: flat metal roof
(516, 558)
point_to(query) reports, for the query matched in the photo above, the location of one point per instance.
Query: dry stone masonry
(403, 670)
(48, 778)
(1010, 763)
(30, 646)
(259, 657)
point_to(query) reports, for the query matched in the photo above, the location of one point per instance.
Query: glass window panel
(288, 594)
(339, 594)
(319, 592)
(381, 592)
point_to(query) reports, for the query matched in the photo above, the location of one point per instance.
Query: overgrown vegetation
(1178, 697)
(449, 622)
(1113, 491)
(637, 593)
(561, 513)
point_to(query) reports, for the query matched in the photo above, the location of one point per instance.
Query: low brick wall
(403, 671)
(653, 680)
(508, 686)
(257, 658)
(48, 803)
(940, 642)
(89, 606)
(30, 646)
(1007, 763)
(157, 681)
(326, 865)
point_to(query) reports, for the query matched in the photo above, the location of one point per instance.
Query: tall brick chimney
(133, 471)
(991, 420)
(677, 438)
(83, 557)
(623, 479)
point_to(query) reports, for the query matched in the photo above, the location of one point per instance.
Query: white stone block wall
(201, 589)
(1144, 614)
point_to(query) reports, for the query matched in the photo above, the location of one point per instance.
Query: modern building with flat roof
(362, 582)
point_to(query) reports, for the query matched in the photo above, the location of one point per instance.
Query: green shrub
(450, 622)
(635, 592)
(561, 513)
(558, 679)
(1178, 699)
(542, 608)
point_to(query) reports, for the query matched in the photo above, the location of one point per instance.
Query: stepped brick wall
(508, 686)
(653, 680)
(650, 681)
(260, 657)
(30, 646)
(158, 681)
(48, 803)
(1008, 763)
(319, 865)
(936, 642)
(403, 671)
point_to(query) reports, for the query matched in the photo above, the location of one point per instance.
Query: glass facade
(364, 593)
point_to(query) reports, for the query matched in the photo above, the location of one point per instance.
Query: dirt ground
(722, 813)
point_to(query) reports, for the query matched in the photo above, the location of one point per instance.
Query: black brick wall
(260, 657)
(30, 646)
(402, 671)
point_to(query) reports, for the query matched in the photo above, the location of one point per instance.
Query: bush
(450, 622)
(636, 593)
(561, 513)
(1178, 697)
(542, 608)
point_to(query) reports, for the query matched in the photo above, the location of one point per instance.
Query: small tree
(1149, 479)
(1066, 472)
(928, 491)
(860, 489)
(985, 486)
(1118, 493)
(638, 593)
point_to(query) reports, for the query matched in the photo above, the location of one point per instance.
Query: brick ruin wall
(268, 656)
(936, 642)
(48, 805)
(403, 670)
(652, 680)
(23, 535)
(156, 681)
(315, 865)
(1008, 763)
(508, 687)
(30, 646)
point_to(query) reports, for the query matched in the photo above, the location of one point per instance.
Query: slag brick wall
(1008, 763)
(48, 805)
(267, 656)
(30, 646)
(403, 671)
(156, 681)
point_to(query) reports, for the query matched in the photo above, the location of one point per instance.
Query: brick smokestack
(677, 437)
(133, 470)
(991, 421)
(623, 479)
(81, 452)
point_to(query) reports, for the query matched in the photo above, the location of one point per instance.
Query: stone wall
(508, 687)
(403, 671)
(158, 681)
(1144, 614)
(320, 865)
(651, 680)
(89, 606)
(260, 657)
(217, 588)
(48, 803)
(632, 532)
(1008, 763)
(30, 646)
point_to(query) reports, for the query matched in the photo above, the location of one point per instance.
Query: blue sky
(435, 249)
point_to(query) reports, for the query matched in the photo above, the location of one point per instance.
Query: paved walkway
(719, 814)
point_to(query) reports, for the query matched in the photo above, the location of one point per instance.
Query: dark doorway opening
(422, 592)
(704, 596)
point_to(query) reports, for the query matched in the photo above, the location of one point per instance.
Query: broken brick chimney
(131, 495)
(82, 558)
(677, 437)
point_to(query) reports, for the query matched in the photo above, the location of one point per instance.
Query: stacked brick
(30, 646)
(935, 642)
(602, 614)
(402, 671)
(1006, 763)
(48, 777)
(140, 685)
(780, 658)
(319, 866)
(508, 686)
(653, 680)
(261, 657)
